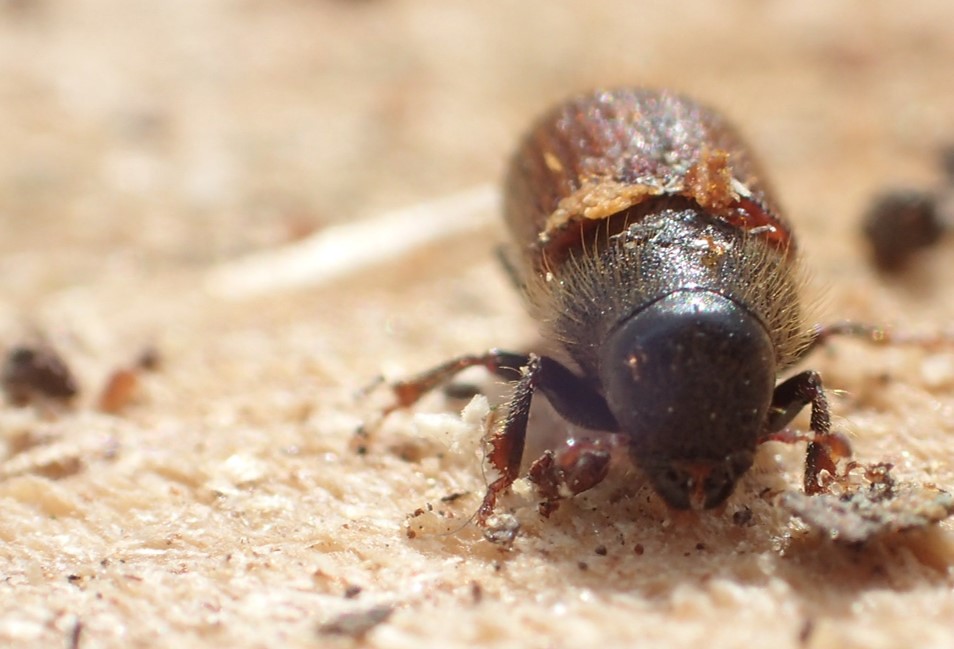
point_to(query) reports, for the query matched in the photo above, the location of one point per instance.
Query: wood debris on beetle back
(596, 156)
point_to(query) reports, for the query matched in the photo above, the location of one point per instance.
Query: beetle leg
(572, 397)
(823, 333)
(506, 445)
(785, 436)
(875, 335)
(499, 362)
(825, 448)
(575, 400)
(580, 465)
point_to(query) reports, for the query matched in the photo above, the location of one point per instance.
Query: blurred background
(196, 131)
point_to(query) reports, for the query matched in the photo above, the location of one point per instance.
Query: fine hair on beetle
(608, 272)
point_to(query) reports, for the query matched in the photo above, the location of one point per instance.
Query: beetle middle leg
(409, 392)
(825, 448)
(875, 335)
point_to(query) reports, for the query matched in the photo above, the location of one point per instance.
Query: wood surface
(285, 199)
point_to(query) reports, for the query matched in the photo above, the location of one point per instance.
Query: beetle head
(690, 378)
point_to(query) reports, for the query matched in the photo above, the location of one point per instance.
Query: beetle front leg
(825, 448)
(506, 445)
(577, 402)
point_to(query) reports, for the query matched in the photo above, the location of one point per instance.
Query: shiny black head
(690, 379)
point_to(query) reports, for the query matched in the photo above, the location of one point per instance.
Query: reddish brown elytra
(654, 256)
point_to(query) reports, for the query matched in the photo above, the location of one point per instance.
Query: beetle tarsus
(822, 460)
(825, 448)
(575, 469)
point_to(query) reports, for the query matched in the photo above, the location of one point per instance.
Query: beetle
(656, 260)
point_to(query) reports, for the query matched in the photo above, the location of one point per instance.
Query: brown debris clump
(878, 507)
(36, 372)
